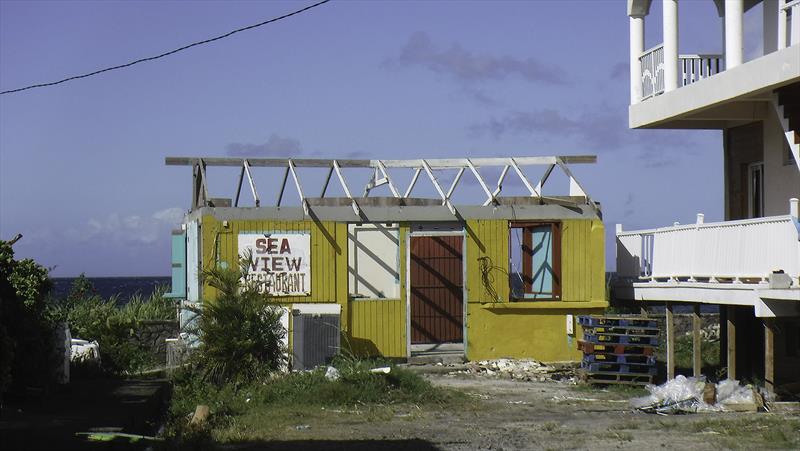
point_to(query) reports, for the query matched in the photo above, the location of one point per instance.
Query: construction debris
(688, 395)
(521, 370)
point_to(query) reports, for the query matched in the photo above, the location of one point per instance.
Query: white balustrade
(652, 62)
(746, 250)
(697, 67)
(692, 68)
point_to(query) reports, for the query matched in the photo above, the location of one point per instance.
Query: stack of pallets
(618, 349)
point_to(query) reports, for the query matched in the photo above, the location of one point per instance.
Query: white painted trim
(783, 294)
(767, 303)
(317, 309)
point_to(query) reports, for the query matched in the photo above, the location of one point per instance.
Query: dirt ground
(510, 415)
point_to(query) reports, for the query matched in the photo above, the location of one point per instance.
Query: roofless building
(400, 273)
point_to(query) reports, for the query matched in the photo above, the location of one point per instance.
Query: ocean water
(106, 287)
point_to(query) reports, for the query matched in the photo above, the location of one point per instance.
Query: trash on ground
(688, 394)
(332, 374)
(201, 414)
(381, 370)
(84, 350)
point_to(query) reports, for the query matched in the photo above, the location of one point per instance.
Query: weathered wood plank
(769, 354)
(697, 361)
(731, 324)
(436, 163)
(670, 342)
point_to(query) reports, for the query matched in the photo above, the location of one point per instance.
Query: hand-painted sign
(280, 262)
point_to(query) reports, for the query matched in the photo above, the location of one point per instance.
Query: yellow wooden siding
(378, 326)
(539, 334)
(369, 327)
(328, 250)
(487, 239)
(582, 261)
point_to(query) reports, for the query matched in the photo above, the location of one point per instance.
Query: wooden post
(731, 320)
(697, 362)
(670, 342)
(769, 354)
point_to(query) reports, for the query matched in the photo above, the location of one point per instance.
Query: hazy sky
(82, 172)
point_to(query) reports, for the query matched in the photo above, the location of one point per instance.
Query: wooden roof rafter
(381, 176)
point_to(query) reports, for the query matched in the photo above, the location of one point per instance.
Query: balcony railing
(731, 251)
(697, 67)
(652, 62)
(692, 68)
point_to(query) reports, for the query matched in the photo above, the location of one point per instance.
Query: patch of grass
(613, 391)
(550, 426)
(624, 426)
(751, 431)
(616, 435)
(270, 409)
(684, 350)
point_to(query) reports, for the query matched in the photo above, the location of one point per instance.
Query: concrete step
(432, 358)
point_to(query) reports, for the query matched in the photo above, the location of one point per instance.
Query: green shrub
(26, 331)
(113, 325)
(241, 333)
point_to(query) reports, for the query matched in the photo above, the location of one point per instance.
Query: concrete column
(637, 48)
(770, 26)
(734, 30)
(794, 207)
(670, 28)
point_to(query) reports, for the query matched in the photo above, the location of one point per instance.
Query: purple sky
(82, 172)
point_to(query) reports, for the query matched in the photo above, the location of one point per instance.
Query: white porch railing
(697, 67)
(652, 62)
(736, 251)
(692, 68)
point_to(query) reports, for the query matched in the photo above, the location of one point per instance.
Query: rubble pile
(521, 370)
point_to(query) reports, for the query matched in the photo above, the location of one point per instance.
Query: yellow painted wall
(378, 326)
(370, 327)
(539, 334)
(497, 327)
(582, 261)
(328, 244)
(487, 242)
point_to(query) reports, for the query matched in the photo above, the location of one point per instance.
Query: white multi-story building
(749, 264)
